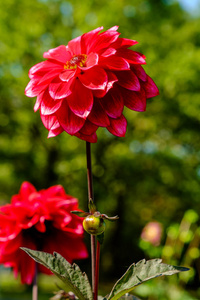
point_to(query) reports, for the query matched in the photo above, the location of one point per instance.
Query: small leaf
(81, 214)
(110, 218)
(91, 206)
(100, 238)
(71, 275)
(139, 273)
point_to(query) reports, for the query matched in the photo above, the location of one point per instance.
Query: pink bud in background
(152, 233)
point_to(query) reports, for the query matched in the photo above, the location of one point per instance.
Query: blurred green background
(153, 174)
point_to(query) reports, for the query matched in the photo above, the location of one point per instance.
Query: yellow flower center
(75, 61)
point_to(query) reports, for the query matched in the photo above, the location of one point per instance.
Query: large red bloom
(40, 221)
(86, 84)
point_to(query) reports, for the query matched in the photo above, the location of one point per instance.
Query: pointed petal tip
(51, 134)
(114, 28)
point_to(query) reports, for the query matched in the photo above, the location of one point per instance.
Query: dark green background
(151, 174)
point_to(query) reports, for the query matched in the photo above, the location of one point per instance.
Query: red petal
(88, 138)
(114, 63)
(70, 122)
(40, 226)
(92, 60)
(44, 66)
(53, 87)
(128, 80)
(56, 190)
(113, 103)
(112, 78)
(81, 100)
(94, 78)
(66, 75)
(135, 100)
(99, 93)
(150, 88)
(61, 242)
(139, 71)
(55, 132)
(49, 105)
(59, 89)
(118, 126)
(38, 101)
(26, 265)
(64, 89)
(33, 89)
(88, 39)
(9, 230)
(88, 128)
(98, 115)
(104, 39)
(114, 28)
(108, 52)
(75, 46)
(131, 56)
(11, 246)
(48, 121)
(26, 190)
(48, 76)
(60, 54)
(125, 43)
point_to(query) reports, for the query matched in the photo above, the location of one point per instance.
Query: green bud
(94, 225)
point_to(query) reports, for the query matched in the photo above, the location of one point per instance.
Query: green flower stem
(97, 271)
(90, 196)
(35, 285)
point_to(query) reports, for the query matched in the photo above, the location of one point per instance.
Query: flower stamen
(76, 61)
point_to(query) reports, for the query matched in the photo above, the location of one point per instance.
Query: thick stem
(97, 271)
(35, 286)
(90, 196)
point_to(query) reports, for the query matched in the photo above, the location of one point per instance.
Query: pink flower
(152, 233)
(40, 221)
(86, 84)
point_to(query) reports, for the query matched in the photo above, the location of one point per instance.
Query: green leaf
(71, 275)
(100, 238)
(139, 273)
(81, 214)
(91, 206)
(109, 218)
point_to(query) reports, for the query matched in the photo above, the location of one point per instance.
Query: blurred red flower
(86, 84)
(40, 221)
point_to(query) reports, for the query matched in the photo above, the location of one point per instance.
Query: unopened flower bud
(94, 225)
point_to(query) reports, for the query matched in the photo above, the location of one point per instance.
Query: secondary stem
(90, 196)
(97, 271)
(35, 286)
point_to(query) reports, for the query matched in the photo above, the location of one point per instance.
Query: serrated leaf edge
(123, 292)
(73, 288)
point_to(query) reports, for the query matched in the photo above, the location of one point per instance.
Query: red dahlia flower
(40, 221)
(86, 84)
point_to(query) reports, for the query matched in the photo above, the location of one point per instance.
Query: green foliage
(78, 283)
(71, 275)
(139, 273)
(181, 245)
(92, 206)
